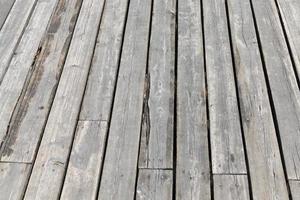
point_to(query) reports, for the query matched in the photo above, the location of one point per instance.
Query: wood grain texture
(13, 179)
(5, 7)
(154, 184)
(85, 163)
(23, 134)
(156, 149)
(49, 168)
(266, 170)
(225, 130)
(283, 84)
(192, 165)
(120, 166)
(295, 188)
(229, 187)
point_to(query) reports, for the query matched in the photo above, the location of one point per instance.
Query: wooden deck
(150, 99)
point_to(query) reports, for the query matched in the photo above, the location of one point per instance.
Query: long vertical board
(156, 149)
(49, 168)
(5, 7)
(283, 84)
(119, 171)
(192, 165)
(225, 129)
(266, 170)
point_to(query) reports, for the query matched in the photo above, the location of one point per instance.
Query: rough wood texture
(154, 185)
(283, 84)
(156, 149)
(13, 178)
(231, 187)
(192, 166)
(5, 6)
(120, 166)
(266, 171)
(295, 188)
(24, 135)
(225, 130)
(49, 168)
(85, 163)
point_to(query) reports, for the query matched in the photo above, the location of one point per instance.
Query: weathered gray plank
(29, 120)
(225, 130)
(231, 187)
(12, 31)
(295, 188)
(156, 149)
(290, 13)
(13, 179)
(85, 163)
(154, 184)
(283, 84)
(22, 62)
(192, 166)
(266, 171)
(120, 166)
(5, 7)
(49, 168)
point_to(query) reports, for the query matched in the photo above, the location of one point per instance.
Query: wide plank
(120, 167)
(49, 168)
(192, 164)
(5, 7)
(156, 149)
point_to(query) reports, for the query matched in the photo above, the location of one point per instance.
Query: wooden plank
(290, 13)
(154, 184)
(5, 7)
(283, 84)
(13, 179)
(266, 171)
(29, 120)
(120, 166)
(23, 61)
(15, 23)
(192, 165)
(295, 188)
(49, 168)
(156, 149)
(229, 187)
(225, 130)
(85, 163)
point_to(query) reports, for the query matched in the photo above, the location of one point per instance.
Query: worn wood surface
(295, 189)
(5, 7)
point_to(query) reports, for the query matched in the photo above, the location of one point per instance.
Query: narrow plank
(290, 13)
(120, 166)
(15, 23)
(13, 179)
(229, 187)
(225, 130)
(49, 168)
(5, 7)
(192, 165)
(156, 149)
(266, 171)
(29, 120)
(23, 61)
(283, 84)
(295, 188)
(85, 163)
(154, 184)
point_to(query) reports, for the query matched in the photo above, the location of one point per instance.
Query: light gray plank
(283, 84)
(23, 60)
(98, 97)
(154, 185)
(231, 187)
(5, 7)
(85, 163)
(192, 165)
(29, 120)
(156, 149)
(13, 179)
(120, 166)
(12, 31)
(290, 13)
(295, 188)
(225, 130)
(49, 168)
